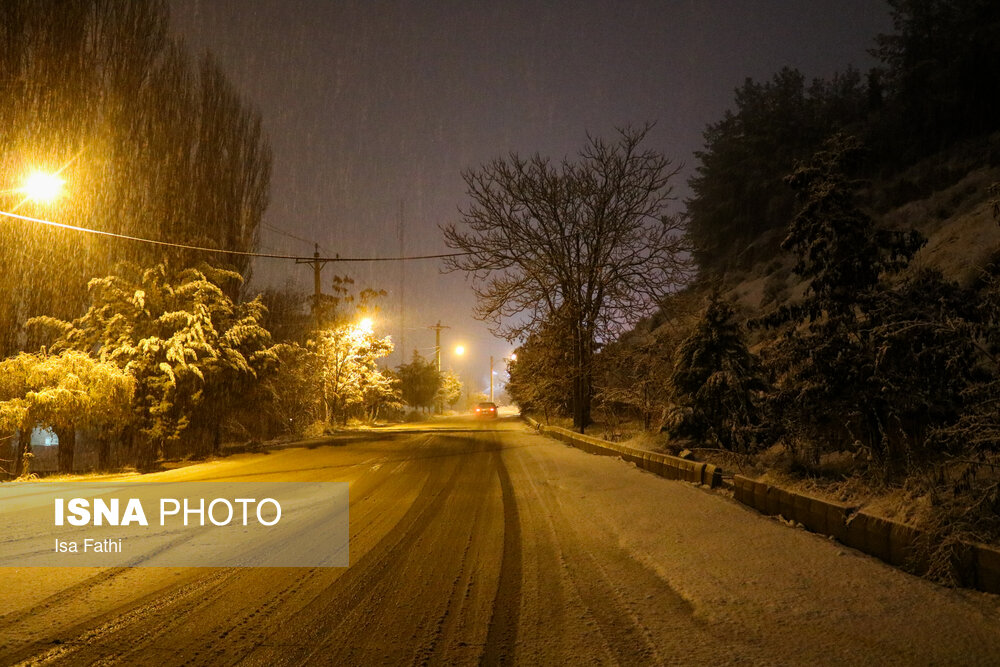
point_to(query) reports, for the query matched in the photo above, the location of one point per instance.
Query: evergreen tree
(863, 363)
(419, 381)
(943, 74)
(716, 383)
(740, 202)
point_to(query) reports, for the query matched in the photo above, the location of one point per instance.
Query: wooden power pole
(439, 406)
(437, 342)
(317, 265)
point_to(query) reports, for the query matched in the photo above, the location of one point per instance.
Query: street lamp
(366, 325)
(43, 187)
(459, 350)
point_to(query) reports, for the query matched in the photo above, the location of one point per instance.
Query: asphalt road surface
(484, 543)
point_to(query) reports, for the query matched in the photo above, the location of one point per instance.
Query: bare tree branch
(588, 243)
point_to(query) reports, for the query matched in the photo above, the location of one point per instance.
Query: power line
(222, 251)
(278, 230)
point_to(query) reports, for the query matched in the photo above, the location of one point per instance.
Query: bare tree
(587, 245)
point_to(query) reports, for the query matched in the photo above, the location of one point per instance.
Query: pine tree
(867, 361)
(716, 382)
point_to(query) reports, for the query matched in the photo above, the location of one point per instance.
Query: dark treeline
(938, 84)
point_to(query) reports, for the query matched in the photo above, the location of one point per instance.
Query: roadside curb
(895, 543)
(664, 465)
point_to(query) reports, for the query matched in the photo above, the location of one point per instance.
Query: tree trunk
(67, 446)
(582, 381)
(23, 447)
(146, 455)
(104, 453)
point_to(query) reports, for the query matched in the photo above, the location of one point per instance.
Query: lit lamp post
(42, 187)
(39, 187)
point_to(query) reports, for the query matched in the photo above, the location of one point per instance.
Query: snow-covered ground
(483, 540)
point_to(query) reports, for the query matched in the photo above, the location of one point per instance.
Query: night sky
(374, 109)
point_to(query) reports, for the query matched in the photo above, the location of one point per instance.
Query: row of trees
(166, 362)
(879, 358)
(164, 358)
(887, 362)
(173, 350)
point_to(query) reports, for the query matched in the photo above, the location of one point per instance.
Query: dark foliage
(717, 383)
(740, 202)
(863, 364)
(939, 84)
(943, 75)
(419, 381)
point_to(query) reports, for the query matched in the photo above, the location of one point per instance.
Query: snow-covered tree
(348, 355)
(716, 382)
(450, 391)
(65, 392)
(191, 350)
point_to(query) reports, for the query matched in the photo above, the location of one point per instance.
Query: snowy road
(485, 543)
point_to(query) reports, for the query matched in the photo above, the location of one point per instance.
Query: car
(485, 410)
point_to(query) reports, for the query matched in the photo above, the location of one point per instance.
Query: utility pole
(437, 342)
(439, 407)
(491, 378)
(402, 286)
(317, 265)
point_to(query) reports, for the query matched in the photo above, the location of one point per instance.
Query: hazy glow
(43, 187)
(459, 350)
(366, 325)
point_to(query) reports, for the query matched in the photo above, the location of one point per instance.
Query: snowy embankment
(977, 565)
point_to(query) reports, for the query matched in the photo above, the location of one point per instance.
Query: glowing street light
(366, 325)
(43, 187)
(459, 350)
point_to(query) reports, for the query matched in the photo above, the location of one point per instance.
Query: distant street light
(366, 325)
(459, 350)
(43, 187)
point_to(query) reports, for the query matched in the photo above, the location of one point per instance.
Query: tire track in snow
(501, 638)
